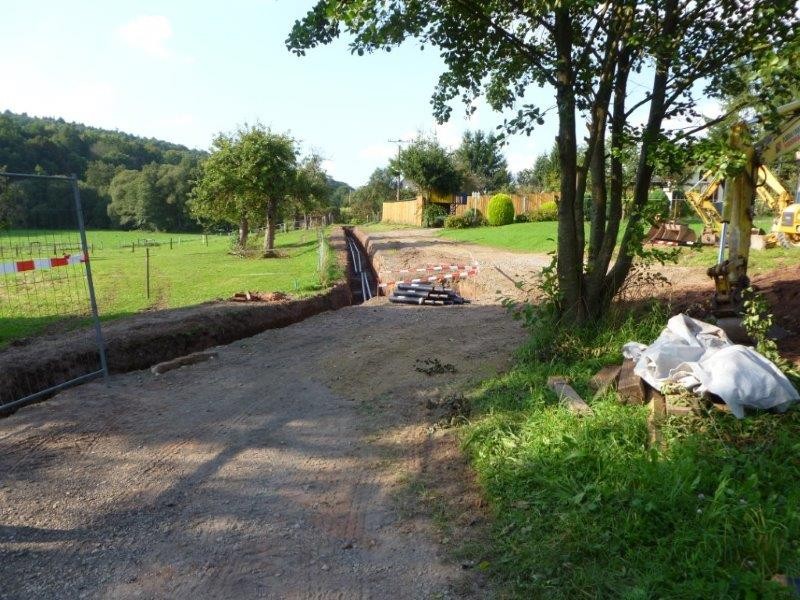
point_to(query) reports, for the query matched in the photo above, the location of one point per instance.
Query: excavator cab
(787, 228)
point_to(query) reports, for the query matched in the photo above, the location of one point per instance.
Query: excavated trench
(146, 339)
(362, 278)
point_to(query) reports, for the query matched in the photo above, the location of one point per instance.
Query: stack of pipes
(421, 293)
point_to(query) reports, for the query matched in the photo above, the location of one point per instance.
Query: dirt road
(281, 469)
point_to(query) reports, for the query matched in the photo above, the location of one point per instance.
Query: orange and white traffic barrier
(35, 264)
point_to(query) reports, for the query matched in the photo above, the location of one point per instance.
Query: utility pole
(399, 178)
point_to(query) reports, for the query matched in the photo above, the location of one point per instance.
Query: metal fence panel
(45, 275)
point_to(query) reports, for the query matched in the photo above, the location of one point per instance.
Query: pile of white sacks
(701, 358)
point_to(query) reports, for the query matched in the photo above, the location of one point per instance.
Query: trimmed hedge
(500, 210)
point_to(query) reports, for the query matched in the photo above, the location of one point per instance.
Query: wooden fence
(407, 212)
(522, 203)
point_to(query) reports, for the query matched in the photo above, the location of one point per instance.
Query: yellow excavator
(730, 271)
(700, 198)
(786, 227)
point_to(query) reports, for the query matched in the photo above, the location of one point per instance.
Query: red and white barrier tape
(34, 264)
(432, 268)
(444, 276)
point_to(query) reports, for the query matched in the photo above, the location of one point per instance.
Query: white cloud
(148, 33)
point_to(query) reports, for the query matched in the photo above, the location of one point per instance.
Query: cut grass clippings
(584, 509)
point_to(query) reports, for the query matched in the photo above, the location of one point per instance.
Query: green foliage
(548, 211)
(584, 508)
(522, 218)
(96, 156)
(456, 222)
(659, 203)
(758, 321)
(481, 162)
(368, 200)
(591, 59)
(433, 215)
(247, 179)
(500, 210)
(429, 166)
(544, 176)
(475, 217)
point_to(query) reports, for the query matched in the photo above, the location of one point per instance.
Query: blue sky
(183, 71)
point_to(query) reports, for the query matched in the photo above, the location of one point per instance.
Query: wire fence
(45, 277)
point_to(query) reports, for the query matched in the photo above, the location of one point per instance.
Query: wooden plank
(604, 379)
(630, 387)
(568, 396)
(657, 414)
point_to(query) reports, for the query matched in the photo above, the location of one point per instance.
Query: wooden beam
(568, 396)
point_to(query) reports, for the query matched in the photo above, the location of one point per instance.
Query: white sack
(701, 358)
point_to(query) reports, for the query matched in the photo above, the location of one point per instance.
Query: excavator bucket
(672, 233)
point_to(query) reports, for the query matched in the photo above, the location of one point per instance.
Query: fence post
(170, 243)
(147, 270)
(98, 332)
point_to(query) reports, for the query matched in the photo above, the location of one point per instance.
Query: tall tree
(368, 199)
(594, 57)
(429, 166)
(481, 160)
(311, 192)
(247, 179)
(544, 175)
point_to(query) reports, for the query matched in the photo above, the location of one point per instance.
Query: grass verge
(583, 508)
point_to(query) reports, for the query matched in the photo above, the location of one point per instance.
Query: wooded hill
(126, 181)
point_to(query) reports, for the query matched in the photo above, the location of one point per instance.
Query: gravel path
(275, 471)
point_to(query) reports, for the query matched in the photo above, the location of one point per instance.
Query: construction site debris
(699, 357)
(425, 294)
(568, 396)
(604, 379)
(630, 387)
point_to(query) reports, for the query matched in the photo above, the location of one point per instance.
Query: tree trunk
(644, 171)
(269, 231)
(244, 232)
(570, 252)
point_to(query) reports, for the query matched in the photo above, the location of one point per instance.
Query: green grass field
(540, 237)
(189, 273)
(585, 508)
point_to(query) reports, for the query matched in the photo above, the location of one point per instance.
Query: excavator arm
(702, 204)
(730, 272)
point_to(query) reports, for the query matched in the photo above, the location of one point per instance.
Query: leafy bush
(500, 210)
(548, 211)
(433, 215)
(475, 217)
(456, 222)
(522, 218)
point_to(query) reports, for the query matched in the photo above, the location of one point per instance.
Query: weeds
(584, 509)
